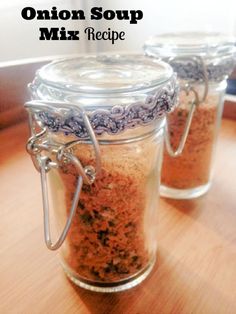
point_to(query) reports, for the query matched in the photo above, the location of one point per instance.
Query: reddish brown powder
(192, 168)
(106, 241)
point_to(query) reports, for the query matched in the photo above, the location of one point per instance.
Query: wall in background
(19, 38)
(168, 16)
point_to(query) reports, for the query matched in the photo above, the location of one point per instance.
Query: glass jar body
(112, 242)
(97, 125)
(189, 175)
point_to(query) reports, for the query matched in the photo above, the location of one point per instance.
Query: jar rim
(204, 44)
(104, 74)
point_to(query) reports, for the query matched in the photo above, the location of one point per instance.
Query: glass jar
(97, 126)
(202, 62)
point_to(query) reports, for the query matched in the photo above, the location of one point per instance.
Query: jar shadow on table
(207, 210)
(190, 207)
(169, 289)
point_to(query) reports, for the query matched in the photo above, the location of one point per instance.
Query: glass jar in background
(97, 126)
(202, 62)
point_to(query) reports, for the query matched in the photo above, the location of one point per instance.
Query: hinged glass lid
(117, 92)
(190, 43)
(102, 75)
(216, 50)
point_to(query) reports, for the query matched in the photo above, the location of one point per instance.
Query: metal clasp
(40, 150)
(187, 88)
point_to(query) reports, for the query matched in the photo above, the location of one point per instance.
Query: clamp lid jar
(97, 127)
(202, 62)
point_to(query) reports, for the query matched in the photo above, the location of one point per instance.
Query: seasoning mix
(109, 238)
(192, 168)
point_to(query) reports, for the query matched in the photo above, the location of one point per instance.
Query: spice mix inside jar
(202, 62)
(97, 126)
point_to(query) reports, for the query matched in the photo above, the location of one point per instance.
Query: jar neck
(128, 136)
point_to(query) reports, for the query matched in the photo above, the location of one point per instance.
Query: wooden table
(196, 265)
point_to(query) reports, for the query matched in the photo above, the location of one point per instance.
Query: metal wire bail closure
(187, 88)
(37, 144)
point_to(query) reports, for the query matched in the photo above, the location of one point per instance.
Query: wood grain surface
(196, 263)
